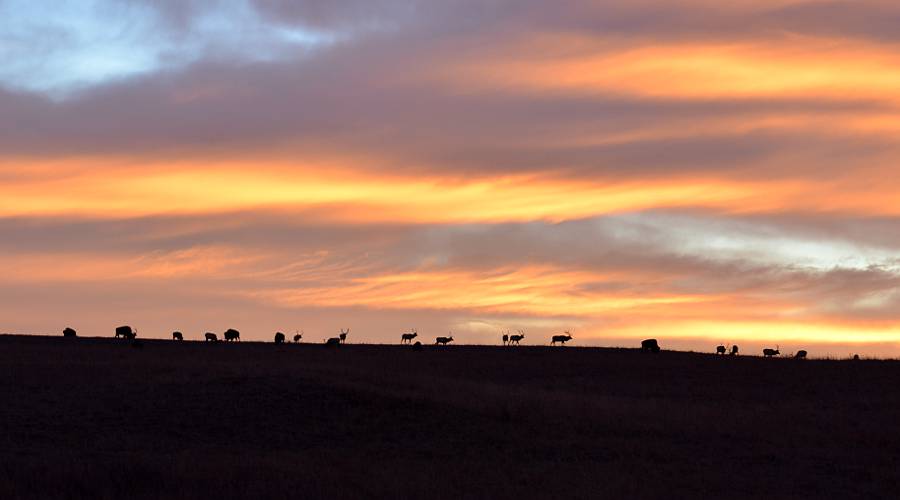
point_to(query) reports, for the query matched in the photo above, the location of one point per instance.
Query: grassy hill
(98, 418)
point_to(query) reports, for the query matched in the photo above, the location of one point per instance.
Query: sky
(697, 171)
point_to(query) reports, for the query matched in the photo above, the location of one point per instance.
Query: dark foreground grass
(97, 418)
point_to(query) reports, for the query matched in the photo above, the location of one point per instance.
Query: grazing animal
(407, 338)
(279, 338)
(297, 337)
(210, 337)
(562, 339)
(417, 346)
(232, 334)
(720, 349)
(856, 357)
(444, 340)
(515, 339)
(801, 354)
(177, 336)
(506, 338)
(343, 335)
(333, 342)
(70, 332)
(771, 352)
(734, 350)
(126, 332)
(649, 345)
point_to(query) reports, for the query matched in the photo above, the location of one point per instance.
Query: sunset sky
(697, 171)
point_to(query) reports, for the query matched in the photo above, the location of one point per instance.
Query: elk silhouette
(177, 336)
(562, 339)
(298, 336)
(210, 337)
(343, 335)
(70, 332)
(650, 345)
(720, 349)
(768, 353)
(126, 332)
(506, 338)
(407, 338)
(279, 338)
(444, 340)
(232, 334)
(515, 339)
(801, 354)
(734, 350)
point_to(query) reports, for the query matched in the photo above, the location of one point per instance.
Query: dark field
(97, 418)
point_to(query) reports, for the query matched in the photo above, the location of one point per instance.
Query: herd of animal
(231, 335)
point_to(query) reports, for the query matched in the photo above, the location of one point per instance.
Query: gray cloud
(645, 257)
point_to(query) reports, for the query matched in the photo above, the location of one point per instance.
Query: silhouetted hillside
(96, 418)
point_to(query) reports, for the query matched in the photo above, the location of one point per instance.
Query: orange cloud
(355, 196)
(789, 66)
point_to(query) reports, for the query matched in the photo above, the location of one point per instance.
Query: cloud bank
(690, 170)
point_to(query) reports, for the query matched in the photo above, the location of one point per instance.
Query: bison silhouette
(70, 332)
(232, 334)
(210, 337)
(649, 345)
(126, 332)
(279, 338)
(177, 336)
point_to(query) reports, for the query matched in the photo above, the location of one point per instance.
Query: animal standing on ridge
(210, 337)
(343, 335)
(70, 332)
(650, 345)
(721, 349)
(515, 339)
(801, 354)
(298, 336)
(279, 338)
(734, 350)
(506, 338)
(126, 332)
(232, 334)
(333, 342)
(768, 353)
(407, 338)
(177, 336)
(444, 340)
(562, 339)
